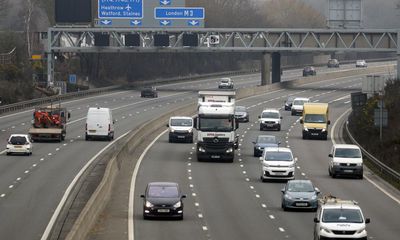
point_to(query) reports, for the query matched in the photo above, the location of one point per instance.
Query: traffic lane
(167, 162)
(56, 182)
(384, 217)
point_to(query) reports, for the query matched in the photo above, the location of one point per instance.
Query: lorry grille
(216, 140)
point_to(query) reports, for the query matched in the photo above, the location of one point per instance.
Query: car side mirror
(283, 190)
(259, 116)
(113, 121)
(329, 122)
(254, 142)
(330, 155)
(261, 159)
(281, 118)
(69, 115)
(367, 220)
(301, 121)
(142, 195)
(184, 196)
(167, 125)
(317, 191)
(316, 220)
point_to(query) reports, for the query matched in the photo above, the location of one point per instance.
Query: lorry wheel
(8, 154)
(191, 140)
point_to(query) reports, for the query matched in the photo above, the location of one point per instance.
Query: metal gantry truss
(245, 40)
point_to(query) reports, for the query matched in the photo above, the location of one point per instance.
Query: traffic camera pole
(398, 55)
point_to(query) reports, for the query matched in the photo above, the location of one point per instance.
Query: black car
(163, 199)
(241, 114)
(149, 92)
(262, 142)
(289, 102)
(333, 63)
(309, 71)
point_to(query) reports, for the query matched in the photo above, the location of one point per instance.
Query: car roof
(300, 181)
(278, 149)
(270, 110)
(349, 146)
(302, 99)
(181, 117)
(19, 135)
(171, 184)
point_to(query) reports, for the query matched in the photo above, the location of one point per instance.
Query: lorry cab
(99, 124)
(315, 120)
(180, 129)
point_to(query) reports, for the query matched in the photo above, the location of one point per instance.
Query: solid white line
(366, 177)
(70, 188)
(131, 226)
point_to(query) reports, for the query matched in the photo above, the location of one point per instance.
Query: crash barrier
(102, 194)
(383, 169)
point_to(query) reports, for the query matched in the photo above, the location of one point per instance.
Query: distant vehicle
(19, 143)
(289, 102)
(99, 124)
(241, 114)
(315, 120)
(361, 63)
(163, 199)
(149, 91)
(297, 106)
(346, 159)
(277, 163)
(49, 123)
(226, 83)
(262, 142)
(307, 71)
(300, 194)
(270, 119)
(333, 63)
(180, 129)
(339, 219)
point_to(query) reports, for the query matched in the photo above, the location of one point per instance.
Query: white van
(180, 129)
(277, 163)
(99, 124)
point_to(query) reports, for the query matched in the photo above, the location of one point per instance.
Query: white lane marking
(272, 216)
(200, 215)
(71, 186)
(194, 194)
(263, 205)
(19, 179)
(366, 177)
(131, 225)
(27, 171)
(257, 196)
(281, 229)
(205, 228)
(247, 179)
(196, 204)
(11, 186)
(2, 195)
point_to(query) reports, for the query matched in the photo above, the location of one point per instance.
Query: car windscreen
(300, 187)
(163, 192)
(181, 122)
(216, 124)
(342, 215)
(278, 156)
(266, 139)
(314, 118)
(18, 140)
(240, 109)
(298, 102)
(347, 153)
(225, 81)
(270, 115)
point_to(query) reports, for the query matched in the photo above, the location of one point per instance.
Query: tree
(4, 6)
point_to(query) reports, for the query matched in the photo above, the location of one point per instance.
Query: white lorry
(216, 126)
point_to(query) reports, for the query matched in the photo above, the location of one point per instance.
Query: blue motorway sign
(178, 13)
(120, 9)
(72, 78)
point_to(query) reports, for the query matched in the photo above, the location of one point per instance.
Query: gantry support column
(276, 67)
(265, 69)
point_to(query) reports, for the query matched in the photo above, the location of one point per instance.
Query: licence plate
(18, 146)
(163, 210)
(270, 125)
(181, 136)
(314, 134)
(92, 131)
(301, 204)
(348, 171)
(215, 156)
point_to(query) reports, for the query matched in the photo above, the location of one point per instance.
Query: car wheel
(304, 136)
(170, 140)
(333, 175)
(361, 176)
(279, 128)
(262, 179)
(329, 171)
(255, 153)
(293, 113)
(8, 153)
(180, 218)
(261, 128)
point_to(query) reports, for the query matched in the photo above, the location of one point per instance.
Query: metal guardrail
(383, 168)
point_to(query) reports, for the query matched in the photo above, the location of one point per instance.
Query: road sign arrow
(165, 2)
(194, 23)
(165, 22)
(105, 22)
(136, 23)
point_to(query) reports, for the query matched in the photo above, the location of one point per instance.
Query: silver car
(300, 194)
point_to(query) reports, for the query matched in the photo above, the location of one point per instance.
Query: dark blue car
(262, 142)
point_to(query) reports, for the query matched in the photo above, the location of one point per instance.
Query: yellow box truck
(315, 120)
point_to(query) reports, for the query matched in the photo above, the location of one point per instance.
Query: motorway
(32, 187)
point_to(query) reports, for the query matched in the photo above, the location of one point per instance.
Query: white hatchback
(277, 163)
(19, 143)
(298, 105)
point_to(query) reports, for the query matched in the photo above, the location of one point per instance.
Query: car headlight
(360, 230)
(306, 129)
(314, 197)
(201, 149)
(324, 129)
(149, 204)
(325, 229)
(359, 164)
(265, 164)
(288, 196)
(172, 130)
(259, 148)
(190, 130)
(178, 204)
(291, 165)
(336, 164)
(229, 150)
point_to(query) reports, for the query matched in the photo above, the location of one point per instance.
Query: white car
(19, 143)
(361, 63)
(226, 83)
(346, 159)
(297, 106)
(339, 219)
(277, 163)
(270, 119)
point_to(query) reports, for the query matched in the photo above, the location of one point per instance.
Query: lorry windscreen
(216, 124)
(314, 118)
